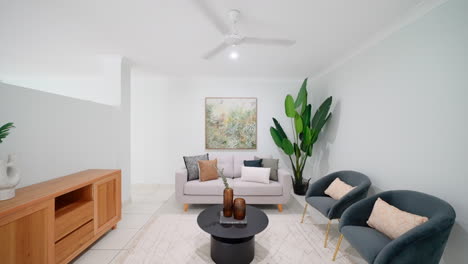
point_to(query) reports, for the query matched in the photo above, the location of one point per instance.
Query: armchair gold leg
(337, 247)
(326, 234)
(303, 214)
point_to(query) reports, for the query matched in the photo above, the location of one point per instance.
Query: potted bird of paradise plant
(306, 129)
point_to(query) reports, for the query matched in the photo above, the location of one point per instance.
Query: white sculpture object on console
(9, 178)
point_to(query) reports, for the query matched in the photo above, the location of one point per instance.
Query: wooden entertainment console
(54, 221)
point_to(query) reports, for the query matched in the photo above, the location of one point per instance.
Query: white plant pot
(9, 178)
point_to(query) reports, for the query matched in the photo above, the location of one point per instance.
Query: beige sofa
(211, 192)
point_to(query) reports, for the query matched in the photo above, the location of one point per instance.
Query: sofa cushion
(207, 170)
(214, 187)
(256, 189)
(191, 163)
(367, 241)
(255, 174)
(273, 164)
(322, 203)
(239, 162)
(224, 162)
(253, 163)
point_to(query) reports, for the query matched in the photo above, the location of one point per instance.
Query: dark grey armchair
(329, 207)
(422, 244)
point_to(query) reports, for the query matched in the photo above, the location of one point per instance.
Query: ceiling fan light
(234, 55)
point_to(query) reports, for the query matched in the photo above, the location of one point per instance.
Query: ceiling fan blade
(215, 51)
(220, 25)
(268, 41)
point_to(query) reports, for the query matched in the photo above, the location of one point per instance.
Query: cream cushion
(255, 174)
(392, 221)
(338, 189)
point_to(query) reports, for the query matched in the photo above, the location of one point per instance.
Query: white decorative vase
(9, 178)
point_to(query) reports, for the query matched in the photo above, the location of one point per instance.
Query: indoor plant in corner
(306, 130)
(9, 176)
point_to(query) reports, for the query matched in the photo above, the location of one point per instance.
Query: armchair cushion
(392, 221)
(338, 189)
(367, 241)
(322, 203)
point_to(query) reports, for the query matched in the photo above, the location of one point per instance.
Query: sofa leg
(337, 247)
(326, 234)
(303, 214)
(280, 208)
(185, 207)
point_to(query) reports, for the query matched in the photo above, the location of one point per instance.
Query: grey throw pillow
(191, 163)
(272, 164)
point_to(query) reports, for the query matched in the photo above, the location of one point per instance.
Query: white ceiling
(170, 36)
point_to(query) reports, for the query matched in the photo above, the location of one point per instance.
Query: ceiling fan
(232, 37)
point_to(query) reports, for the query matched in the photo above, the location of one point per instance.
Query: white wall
(401, 114)
(57, 135)
(168, 118)
(99, 83)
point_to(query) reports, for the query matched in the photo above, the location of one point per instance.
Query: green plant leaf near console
(5, 130)
(306, 129)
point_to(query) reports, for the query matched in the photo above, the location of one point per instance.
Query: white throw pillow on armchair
(255, 174)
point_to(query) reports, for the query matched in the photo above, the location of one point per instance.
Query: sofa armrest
(180, 180)
(284, 178)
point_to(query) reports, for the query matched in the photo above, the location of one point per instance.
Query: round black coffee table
(232, 243)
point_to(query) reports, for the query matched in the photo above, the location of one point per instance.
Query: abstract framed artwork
(230, 123)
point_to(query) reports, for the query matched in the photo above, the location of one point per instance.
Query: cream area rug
(176, 238)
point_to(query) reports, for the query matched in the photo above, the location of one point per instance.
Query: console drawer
(69, 244)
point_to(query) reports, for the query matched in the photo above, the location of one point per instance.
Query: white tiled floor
(145, 201)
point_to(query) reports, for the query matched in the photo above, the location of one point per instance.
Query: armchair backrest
(352, 178)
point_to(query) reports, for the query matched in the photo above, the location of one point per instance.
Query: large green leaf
(297, 151)
(298, 123)
(5, 130)
(307, 136)
(287, 147)
(321, 114)
(276, 137)
(301, 95)
(309, 151)
(306, 115)
(289, 106)
(279, 128)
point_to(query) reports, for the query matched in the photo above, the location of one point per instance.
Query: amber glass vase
(239, 209)
(227, 202)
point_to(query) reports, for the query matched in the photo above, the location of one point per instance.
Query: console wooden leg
(303, 214)
(114, 226)
(185, 207)
(280, 207)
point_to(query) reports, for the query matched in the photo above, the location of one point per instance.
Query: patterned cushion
(191, 163)
(392, 221)
(272, 164)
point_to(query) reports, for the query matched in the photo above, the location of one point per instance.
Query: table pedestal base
(235, 251)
